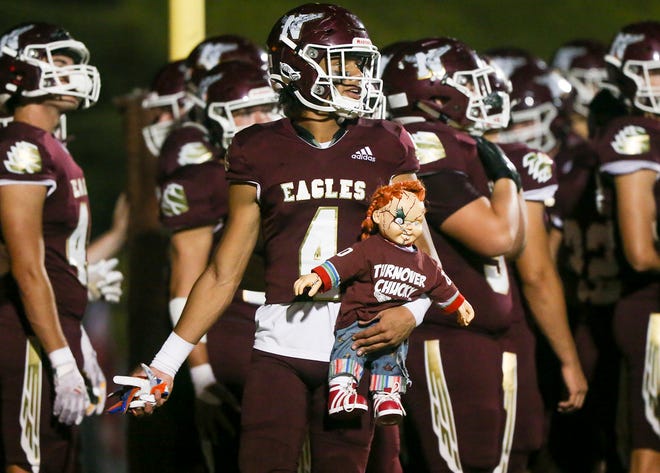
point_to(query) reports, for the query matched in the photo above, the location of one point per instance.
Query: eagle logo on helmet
(621, 43)
(10, 40)
(293, 24)
(23, 158)
(210, 54)
(429, 64)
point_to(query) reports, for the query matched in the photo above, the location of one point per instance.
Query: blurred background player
(629, 156)
(540, 309)
(44, 214)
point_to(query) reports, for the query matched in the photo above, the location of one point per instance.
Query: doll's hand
(465, 314)
(311, 281)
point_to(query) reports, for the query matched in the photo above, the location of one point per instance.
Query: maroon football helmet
(443, 78)
(534, 109)
(582, 62)
(634, 58)
(217, 50)
(168, 92)
(27, 68)
(232, 88)
(302, 45)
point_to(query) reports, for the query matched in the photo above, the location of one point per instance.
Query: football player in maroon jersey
(455, 418)
(45, 220)
(380, 272)
(537, 280)
(628, 150)
(305, 181)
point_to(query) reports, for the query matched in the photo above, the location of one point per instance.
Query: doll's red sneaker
(344, 402)
(388, 409)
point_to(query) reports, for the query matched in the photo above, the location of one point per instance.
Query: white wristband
(61, 356)
(176, 309)
(202, 376)
(172, 354)
(418, 308)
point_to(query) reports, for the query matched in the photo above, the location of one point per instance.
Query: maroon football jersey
(191, 180)
(628, 144)
(454, 177)
(31, 155)
(586, 258)
(380, 274)
(312, 199)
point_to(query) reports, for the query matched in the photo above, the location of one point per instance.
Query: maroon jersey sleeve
(537, 172)
(194, 196)
(185, 146)
(33, 156)
(629, 144)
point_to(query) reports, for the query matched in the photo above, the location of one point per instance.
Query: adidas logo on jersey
(364, 154)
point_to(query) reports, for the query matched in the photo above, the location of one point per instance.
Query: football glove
(213, 404)
(104, 281)
(496, 163)
(137, 391)
(71, 399)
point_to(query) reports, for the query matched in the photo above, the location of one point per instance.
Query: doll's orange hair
(383, 196)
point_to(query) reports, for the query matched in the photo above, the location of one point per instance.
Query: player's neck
(37, 115)
(323, 127)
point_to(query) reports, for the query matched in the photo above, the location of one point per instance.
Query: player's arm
(189, 256)
(21, 210)
(637, 219)
(544, 294)
(490, 227)
(110, 242)
(214, 289)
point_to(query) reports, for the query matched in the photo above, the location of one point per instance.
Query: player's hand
(104, 281)
(143, 391)
(577, 387)
(214, 404)
(388, 330)
(94, 377)
(71, 400)
(311, 281)
(496, 164)
(465, 314)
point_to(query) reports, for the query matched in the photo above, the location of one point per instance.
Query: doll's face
(401, 220)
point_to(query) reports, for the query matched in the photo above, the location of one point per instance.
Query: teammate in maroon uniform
(537, 287)
(629, 153)
(380, 272)
(44, 215)
(193, 198)
(582, 242)
(304, 181)
(438, 88)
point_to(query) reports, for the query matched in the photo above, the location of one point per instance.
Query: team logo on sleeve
(173, 200)
(23, 158)
(428, 147)
(194, 153)
(538, 165)
(631, 140)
